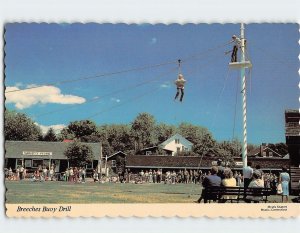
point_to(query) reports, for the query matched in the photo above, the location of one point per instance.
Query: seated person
(211, 180)
(256, 182)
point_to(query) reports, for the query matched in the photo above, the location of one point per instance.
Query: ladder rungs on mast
(239, 65)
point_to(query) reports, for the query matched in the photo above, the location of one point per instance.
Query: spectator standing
(83, 172)
(247, 173)
(284, 179)
(159, 173)
(21, 170)
(220, 169)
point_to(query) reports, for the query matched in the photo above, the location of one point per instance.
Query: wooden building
(292, 135)
(36, 154)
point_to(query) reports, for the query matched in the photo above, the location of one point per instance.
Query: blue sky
(39, 54)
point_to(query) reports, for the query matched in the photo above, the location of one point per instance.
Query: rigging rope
(119, 72)
(109, 94)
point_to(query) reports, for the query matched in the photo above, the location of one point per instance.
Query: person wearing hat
(237, 44)
(179, 82)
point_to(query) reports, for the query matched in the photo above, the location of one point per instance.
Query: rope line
(108, 94)
(120, 72)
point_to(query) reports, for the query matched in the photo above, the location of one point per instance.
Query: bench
(235, 194)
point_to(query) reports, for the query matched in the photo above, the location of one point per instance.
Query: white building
(177, 143)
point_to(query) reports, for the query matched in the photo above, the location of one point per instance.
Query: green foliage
(116, 137)
(19, 127)
(50, 136)
(162, 132)
(199, 136)
(142, 130)
(79, 154)
(84, 130)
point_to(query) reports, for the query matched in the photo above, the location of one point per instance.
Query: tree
(142, 130)
(226, 151)
(78, 130)
(50, 136)
(163, 132)
(19, 127)
(199, 136)
(79, 154)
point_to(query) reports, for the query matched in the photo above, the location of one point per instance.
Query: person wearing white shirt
(247, 174)
(237, 44)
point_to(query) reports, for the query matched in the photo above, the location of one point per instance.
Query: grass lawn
(90, 192)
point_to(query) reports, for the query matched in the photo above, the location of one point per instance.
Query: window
(37, 162)
(183, 148)
(19, 162)
(113, 163)
(148, 152)
(270, 154)
(28, 163)
(178, 149)
(264, 154)
(89, 165)
(176, 141)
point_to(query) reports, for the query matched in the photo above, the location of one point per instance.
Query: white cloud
(153, 40)
(56, 128)
(115, 100)
(44, 94)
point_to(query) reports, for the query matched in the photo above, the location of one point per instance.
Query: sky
(109, 73)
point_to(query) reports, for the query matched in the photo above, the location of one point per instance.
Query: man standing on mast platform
(237, 44)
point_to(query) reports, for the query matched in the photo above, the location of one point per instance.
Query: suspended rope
(124, 102)
(235, 107)
(97, 76)
(108, 94)
(118, 72)
(219, 98)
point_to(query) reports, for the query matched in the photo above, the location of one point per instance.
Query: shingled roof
(15, 149)
(160, 161)
(191, 162)
(292, 126)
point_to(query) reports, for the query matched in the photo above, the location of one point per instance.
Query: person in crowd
(247, 174)
(256, 182)
(95, 176)
(211, 180)
(71, 174)
(220, 169)
(154, 176)
(257, 168)
(284, 180)
(18, 173)
(229, 180)
(10, 174)
(51, 173)
(142, 175)
(159, 173)
(21, 170)
(83, 175)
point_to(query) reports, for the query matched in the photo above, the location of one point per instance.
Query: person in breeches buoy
(180, 81)
(237, 44)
